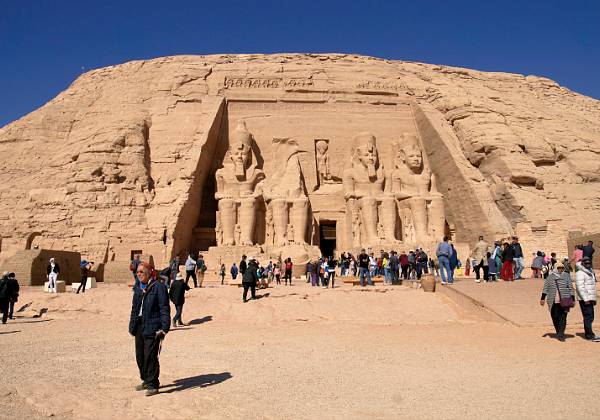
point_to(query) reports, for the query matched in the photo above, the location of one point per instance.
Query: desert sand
(299, 352)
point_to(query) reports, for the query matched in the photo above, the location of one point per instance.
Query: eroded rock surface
(124, 159)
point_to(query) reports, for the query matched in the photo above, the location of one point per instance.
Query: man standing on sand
(177, 296)
(585, 282)
(479, 256)
(244, 265)
(190, 270)
(52, 272)
(518, 258)
(443, 253)
(149, 323)
(85, 270)
(249, 280)
(200, 269)
(363, 269)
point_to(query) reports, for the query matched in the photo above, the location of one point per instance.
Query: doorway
(327, 237)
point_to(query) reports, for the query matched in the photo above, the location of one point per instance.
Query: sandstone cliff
(118, 161)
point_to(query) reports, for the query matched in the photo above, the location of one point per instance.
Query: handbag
(565, 303)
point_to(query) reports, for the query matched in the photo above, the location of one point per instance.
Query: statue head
(240, 149)
(322, 146)
(409, 152)
(365, 152)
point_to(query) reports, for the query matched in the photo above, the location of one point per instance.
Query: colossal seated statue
(238, 187)
(364, 183)
(413, 187)
(286, 197)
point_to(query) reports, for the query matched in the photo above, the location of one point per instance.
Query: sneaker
(477, 281)
(444, 283)
(151, 391)
(595, 339)
(141, 387)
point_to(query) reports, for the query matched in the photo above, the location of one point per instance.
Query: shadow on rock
(200, 381)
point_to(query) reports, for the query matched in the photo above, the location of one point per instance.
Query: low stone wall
(30, 265)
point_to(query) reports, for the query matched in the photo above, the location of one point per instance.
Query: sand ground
(299, 352)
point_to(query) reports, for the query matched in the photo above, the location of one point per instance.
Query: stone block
(60, 286)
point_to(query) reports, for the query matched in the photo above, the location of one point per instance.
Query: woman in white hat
(52, 272)
(177, 296)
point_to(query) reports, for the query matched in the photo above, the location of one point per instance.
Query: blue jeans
(362, 273)
(445, 266)
(519, 266)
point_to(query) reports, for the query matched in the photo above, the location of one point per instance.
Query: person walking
(243, 265)
(506, 273)
(200, 269)
(363, 269)
(479, 255)
(13, 297)
(537, 264)
(443, 253)
(190, 270)
(5, 294)
(491, 268)
(250, 279)
(149, 322)
(288, 271)
(234, 271)
(85, 271)
(177, 296)
(557, 292)
(585, 282)
(518, 258)
(52, 272)
(133, 265)
(277, 273)
(222, 273)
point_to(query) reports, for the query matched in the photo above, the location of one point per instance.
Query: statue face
(240, 156)
(322, 147)
(413, 158)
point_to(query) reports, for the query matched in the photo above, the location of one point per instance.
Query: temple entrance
(327, 237)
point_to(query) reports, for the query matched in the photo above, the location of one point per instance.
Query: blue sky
(45, 45)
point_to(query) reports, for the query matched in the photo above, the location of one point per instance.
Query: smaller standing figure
(234, 271)
(85, 269)
(290, 233)
(222, 273)
(323, 161)
(219, 233)
(380, 231)
(52, 271)
(238, 233)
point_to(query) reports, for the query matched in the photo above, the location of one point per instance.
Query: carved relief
(322, 158)
(265, 82)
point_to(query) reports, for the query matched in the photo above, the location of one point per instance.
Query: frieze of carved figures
(239, 185)
(414, 188)
(285, 195)
(364, 183)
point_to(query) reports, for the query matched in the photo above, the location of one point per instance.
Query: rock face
(139, 158)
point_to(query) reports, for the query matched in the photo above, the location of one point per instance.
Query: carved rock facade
(291, 153)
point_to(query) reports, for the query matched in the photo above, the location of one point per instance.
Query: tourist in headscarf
(149, 323)
(556, 292)
(85, 270)
(52, 272)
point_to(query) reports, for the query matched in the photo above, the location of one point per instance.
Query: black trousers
(252, 288)
(288, 276)
(559, 319)
(4, 303)
(405, 272)
(146, 355)
(82, 285)
(588, 318)
(192, 274)
(485, 271)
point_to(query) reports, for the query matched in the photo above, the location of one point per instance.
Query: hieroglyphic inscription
(265, 82)
(378, 85)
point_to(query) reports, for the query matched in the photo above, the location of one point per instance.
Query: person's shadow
(202, 320)
(200, 381)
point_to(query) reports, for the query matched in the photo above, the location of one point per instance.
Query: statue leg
(418, 208)
(369, 216)
(280, 220)
(299, 216)
(247, 221)
(437, 218)
(227, 213)
(388, 217)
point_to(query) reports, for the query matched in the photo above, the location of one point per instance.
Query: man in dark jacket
(149, 323)
(5, 293)
(250, 279)
(243, 265)
(14, 288)
(177, 296)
